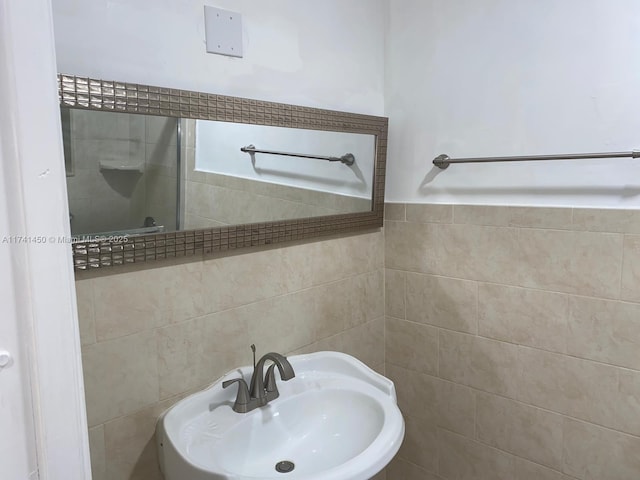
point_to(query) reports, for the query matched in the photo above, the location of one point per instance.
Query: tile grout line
(519, 345)
(404, 295)
(571, 226)
(477, 391)
(253, 303)
(505, 452)
(622, 256)
(509, 285)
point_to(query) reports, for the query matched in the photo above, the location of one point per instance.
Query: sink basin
(336, 420)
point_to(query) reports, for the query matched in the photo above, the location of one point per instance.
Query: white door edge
(42, 276)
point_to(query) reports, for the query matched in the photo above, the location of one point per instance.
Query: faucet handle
(253, 349)
(243, 398)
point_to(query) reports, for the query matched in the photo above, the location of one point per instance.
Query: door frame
(41, 264)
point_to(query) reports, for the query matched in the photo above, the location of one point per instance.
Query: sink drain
(285, 466)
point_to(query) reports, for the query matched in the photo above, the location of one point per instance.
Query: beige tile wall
(513, 336)
(152, 336)
(217, 202)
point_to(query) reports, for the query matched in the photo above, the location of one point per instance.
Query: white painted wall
(218, 150)
(513, 77)
(327, 54)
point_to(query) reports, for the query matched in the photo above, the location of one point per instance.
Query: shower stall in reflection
(123, 172)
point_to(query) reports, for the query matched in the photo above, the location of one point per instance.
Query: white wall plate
(223, 31)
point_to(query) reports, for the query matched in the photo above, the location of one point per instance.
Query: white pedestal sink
(336, 420)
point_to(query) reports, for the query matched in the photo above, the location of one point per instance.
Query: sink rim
(355, 377)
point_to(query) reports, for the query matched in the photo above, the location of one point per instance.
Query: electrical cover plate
(223, 31)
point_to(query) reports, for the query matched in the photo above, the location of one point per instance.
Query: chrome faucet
(263, 387)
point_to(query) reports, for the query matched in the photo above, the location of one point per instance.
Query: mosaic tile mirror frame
(102, 95)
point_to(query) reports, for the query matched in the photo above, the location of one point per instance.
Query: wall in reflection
(225, 187)
(218, 150)
(216, 200)
(122, 170)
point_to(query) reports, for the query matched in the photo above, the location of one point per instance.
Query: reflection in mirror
(122, 172)
(126, 174)
(226, 186)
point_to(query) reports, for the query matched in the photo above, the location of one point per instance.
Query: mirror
(124, 173)
(155, 173)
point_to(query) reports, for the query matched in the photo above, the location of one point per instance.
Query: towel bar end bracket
(348, 159)
(441, 161)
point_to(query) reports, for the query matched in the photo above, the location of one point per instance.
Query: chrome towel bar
(348, 158)
(443, 161)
